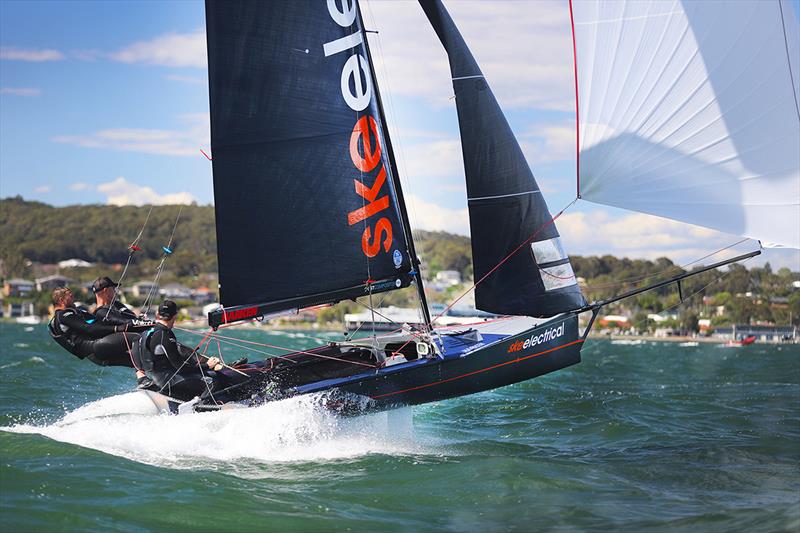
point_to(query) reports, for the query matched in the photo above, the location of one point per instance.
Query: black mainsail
(306, 198)
(506, 207)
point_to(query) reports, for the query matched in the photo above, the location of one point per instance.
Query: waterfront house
(48, 283)
(18, 287)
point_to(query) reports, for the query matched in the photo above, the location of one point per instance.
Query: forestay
(506, 206)
(305, 198)
(689, 110)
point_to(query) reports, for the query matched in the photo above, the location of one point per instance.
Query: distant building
(761, 333)
(204, 295)
(667, 332)
(48, 283)
(17, 310)
(18, 287)
(74, 263)
(613, 321)
(449, 277)
(176, 291)
(141, 289)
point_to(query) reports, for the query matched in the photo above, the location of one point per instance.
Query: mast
(396, 181)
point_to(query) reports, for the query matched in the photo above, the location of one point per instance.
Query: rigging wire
(673, 268)
(365, 141)
(373, 316)
(405, 183)
(701, 289)
(205, 338)
(167, 252)
(292, 350)
(788, 60)
(506, 258)
(133, 247)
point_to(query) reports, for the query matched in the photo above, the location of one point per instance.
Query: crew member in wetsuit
(174, 373)
(110, 310)
(84, 336)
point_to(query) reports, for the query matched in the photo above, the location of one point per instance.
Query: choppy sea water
(636, 437)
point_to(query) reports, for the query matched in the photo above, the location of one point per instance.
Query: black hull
(484, 369)
(501, 361)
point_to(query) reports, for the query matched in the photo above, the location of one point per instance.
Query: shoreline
(653, 338)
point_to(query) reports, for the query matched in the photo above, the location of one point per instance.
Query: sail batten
(306, 199)
(516, 251)
(689, 111)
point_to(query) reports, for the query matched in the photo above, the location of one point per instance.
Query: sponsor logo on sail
(537, 338)
(239, 314)
(397, 257)
(356, 86)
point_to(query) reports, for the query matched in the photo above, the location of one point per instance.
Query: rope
(194, 352)
(294, 351)
(506, 258)
(673, 268)
(701, 289)
(130, 352)
(788, 61)
(133, 247)
(498, 265)
(167, 252)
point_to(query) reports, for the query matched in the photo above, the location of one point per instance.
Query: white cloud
(524, 48)
(435, 159)
(21, 91)
(30, 54)
(185, 142)
(187, 79)
(638, 235)
(432, 217)
(122, 192)
(549, 142)
(170, 50)
(78, 186)
(42, 189)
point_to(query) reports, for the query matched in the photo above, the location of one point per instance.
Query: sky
(107, 102)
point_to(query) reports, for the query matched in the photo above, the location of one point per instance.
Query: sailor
(84, 336)
(175, 373)
(111, 311)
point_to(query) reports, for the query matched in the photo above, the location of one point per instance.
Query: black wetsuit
(84, 336)
(119, 314)
(176, 372)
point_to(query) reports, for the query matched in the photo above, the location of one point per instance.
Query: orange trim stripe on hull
(517, 360)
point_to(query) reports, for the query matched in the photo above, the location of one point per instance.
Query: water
(637, 437)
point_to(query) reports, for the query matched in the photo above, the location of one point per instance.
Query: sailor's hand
(214, 363)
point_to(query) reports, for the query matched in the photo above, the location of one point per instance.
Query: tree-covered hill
(37, 232)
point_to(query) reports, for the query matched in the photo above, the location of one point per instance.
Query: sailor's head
(167, 312)
(62, 297)
(103, 284)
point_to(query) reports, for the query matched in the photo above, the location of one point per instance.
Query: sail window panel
(558, 277)
(548, 251)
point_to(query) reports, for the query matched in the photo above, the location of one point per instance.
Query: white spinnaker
(689, 110)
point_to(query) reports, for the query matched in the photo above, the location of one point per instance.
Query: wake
(298, 429)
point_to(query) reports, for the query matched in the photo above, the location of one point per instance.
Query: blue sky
(107, 102)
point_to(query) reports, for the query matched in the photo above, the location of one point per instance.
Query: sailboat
(310, 210)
